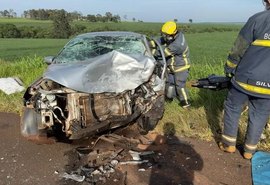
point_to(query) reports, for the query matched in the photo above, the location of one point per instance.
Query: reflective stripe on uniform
(231, 64)
(250, 147)
(263, 43)
(184, 94)
(179, 69)
(167, 52)
(255, 89)
(153, 45)
(228, 138)
(186, 66)
(154, 51)
(182, 68)
(185, 56)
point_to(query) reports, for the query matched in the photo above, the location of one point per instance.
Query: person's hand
(229, 71)
(229, 75)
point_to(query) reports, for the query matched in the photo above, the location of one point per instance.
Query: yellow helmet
(169, 28)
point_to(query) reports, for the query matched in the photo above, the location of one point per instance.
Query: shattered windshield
(83, 48)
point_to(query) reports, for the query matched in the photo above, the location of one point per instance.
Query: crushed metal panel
(111, 72)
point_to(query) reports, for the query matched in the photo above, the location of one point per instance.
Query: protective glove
(229, 75)
(229, 71)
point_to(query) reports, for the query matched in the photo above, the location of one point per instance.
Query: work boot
(249, 149)
(185, 104)
(226, 148)
(169, 100)
(247, 155)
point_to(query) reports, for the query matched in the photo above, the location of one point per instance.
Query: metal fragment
(75, 177)
(133, 162)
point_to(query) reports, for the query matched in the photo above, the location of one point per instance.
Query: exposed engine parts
(80, 114)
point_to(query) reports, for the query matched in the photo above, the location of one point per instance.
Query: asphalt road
(24, 162)
(179, 161)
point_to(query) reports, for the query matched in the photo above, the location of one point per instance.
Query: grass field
(11, 49)
(131, 26)
(202, 45)
(208, 52)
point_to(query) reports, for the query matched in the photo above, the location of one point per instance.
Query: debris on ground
(124, 142)
(137, 155)
(97, 165)
(11, 85)
(74, 177)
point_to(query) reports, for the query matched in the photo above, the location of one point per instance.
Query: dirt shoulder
(177, 160)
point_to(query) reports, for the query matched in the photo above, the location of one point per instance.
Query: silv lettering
(263, 84)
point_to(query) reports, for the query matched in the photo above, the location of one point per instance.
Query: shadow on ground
(178, 161)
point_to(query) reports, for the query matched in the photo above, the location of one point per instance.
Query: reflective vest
(177, 54)
(250, 56)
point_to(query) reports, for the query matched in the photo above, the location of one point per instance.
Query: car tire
(146, 124)
(149, 121)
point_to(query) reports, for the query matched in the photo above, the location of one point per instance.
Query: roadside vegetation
(25, 28)
(209, 45)
(26, 69)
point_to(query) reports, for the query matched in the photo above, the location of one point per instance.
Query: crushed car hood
(111, 72)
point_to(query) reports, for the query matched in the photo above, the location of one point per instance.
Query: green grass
(27, 69)
(12, 49)
(202, 46)
(210, 47)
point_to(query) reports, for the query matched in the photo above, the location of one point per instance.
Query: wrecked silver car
(98, 81)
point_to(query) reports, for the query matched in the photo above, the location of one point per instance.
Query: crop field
(208, 51)
(45, 23)
(204, 46)
(11, 49)
(25, 22)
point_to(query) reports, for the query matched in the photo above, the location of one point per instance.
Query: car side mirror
(48, 60)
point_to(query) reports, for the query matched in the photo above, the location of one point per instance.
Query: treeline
(49, 14)
(65, 30)
(61, 27)
(8, 13)
(210, 29)
(43, 14)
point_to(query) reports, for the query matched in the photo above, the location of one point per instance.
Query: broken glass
(84, 48)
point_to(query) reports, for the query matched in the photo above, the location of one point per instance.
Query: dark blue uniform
(177, 55)
(249, 65)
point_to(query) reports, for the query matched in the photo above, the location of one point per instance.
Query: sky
(149, 10)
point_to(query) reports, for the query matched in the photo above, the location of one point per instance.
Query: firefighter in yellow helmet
(177, 56)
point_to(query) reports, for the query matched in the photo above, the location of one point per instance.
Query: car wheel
(149, 120)
(146, 124)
